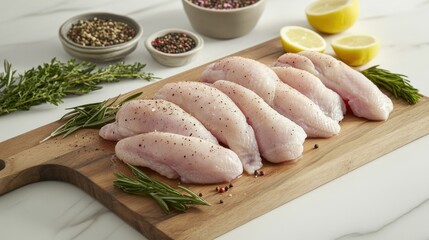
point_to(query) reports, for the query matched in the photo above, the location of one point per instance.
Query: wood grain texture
(87, 161)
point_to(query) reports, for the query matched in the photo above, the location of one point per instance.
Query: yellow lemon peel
(296, 39)
(356, 50)
(332, 16)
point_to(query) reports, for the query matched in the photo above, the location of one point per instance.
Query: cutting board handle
(26, 160)
(13, 177)
(2, 164)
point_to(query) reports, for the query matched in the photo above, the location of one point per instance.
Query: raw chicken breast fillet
(279, 139)
(304, 112)
(148, 115)
(245, 71)
(306, 83)
(262, 80)
(364, 97)
(191, 159)
(219, 114)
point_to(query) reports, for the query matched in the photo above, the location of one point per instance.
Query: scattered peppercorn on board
(87, 161)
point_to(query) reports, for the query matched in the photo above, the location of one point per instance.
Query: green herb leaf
(166, 196)
(93, 115)
(397, 84)
(51, 82)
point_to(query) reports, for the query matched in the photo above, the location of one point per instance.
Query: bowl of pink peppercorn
(174, 47)
(223, 19)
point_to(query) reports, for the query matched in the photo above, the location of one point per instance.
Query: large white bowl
(224, 23)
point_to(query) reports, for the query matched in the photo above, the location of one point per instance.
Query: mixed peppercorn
(174, 42)
(99, 32)
(223, 189)
(223, 4)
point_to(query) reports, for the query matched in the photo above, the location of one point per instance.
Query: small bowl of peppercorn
(174, 47)
(100, 37)
(223, 19)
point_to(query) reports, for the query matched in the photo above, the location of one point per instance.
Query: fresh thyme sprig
(51, 82)
(397, 84)
(92, 115)
(166, 196)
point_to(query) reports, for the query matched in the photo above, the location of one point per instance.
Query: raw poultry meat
(364, 97)
(247, 72)
(304, 112)
(148, 115)
(219, 114)
(279, 139)
(306, 83)
(191, 159)
(264, 81)
(297, 61)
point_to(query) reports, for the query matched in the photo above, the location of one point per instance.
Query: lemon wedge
(332, 16)
(356, 50)
(296, 39)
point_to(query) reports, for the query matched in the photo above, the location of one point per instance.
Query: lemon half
(356, 50)
(332, 16)
(296, 39)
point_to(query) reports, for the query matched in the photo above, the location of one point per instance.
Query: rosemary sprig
(51, 82)
(166, 196)
(92, 115)
(397, 84)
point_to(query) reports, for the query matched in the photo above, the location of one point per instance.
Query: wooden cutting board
(86, 160)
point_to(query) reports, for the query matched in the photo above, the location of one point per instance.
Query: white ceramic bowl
(224, 23)
(174, 59)
(99, 54)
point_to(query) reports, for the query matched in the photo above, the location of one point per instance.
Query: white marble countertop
(385, 199)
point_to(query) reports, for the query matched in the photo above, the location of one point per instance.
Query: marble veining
(385, 199)
(399, 227)
(67, 212)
